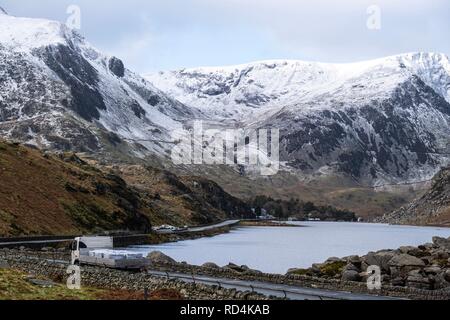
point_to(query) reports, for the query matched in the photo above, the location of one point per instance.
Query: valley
(46, 193)
(209, 150)
(346, 130)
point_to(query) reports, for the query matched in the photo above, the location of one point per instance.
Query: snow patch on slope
(24, 34)
(239, 92)
(44, 61)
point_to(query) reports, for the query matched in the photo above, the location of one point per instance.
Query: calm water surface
(277, 249)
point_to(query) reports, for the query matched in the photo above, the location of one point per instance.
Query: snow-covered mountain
(237, 91)
(386, 120)
(59, 92)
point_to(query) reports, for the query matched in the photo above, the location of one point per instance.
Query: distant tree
(300, 209)
(309, 207)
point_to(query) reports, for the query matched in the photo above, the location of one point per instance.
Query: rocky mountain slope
(45, 194)
(378, 122)
(182, 200)
(55, 194)
(359, 125)
(433, 208)
(381, 121)
(59, 92)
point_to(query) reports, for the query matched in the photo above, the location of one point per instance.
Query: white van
(98, 251)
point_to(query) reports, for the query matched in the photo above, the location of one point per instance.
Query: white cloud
(160, 34)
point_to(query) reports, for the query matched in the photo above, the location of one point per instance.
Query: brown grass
(46, 195)
(14, 286)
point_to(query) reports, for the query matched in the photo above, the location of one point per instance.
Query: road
(290, 292)
(23, 243)
(189, 230)
(223, 224)
(228, 223)
(270, 289)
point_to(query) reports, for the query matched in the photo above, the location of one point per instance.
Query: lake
(277, 249)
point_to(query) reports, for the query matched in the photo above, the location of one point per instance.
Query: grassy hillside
(433, 208)
(337, 191)
(47, 194)
(184, 200)
(44, 194)
(15, 285)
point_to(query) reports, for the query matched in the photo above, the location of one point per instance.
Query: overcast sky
(152, 35)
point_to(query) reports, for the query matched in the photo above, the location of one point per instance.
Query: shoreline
(413, 272)
(44, 263)
(163, 238)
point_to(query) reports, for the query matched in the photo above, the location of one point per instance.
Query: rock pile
(159, 258)
(430, 209)
(425, 267)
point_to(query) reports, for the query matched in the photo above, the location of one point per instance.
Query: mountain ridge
(432, 208)
(58, 90)
(334, 117)
(44, 193)
(385, 121)
(207, 82)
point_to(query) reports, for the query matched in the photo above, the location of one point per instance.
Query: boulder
(4, 264)
(405, 260)
(333, 259)
(426, 246)
(316, 267)
(385, 278)
(398, 282)
(364, 266)
(432, 270)
(355, 260)
(447, 275)
(416, 279)
(380, 259)
(210, 265)
(441, 242)
(351, 275)
(351, 267)
(157, 257)
(427, 260)
(117, 67)
(440, 282)
(412, 251)
(234, 267)
(440, 254)
(395, 272)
